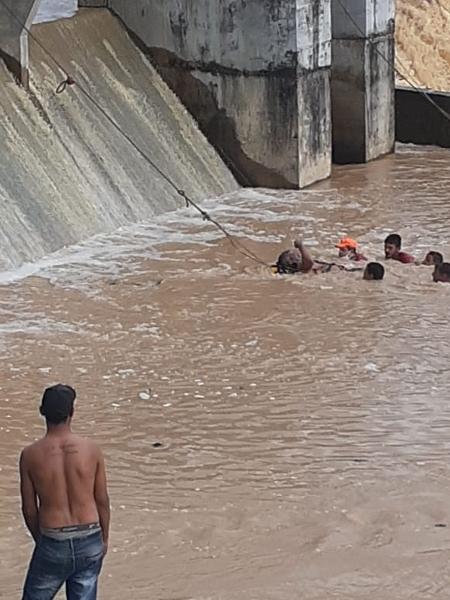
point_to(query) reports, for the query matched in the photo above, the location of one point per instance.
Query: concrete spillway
(65, 173)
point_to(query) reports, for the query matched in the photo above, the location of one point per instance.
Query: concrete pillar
(363, 82)
(254, 73)
(14, 37)
(313, 86)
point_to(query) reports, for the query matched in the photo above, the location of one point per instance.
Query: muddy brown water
(304, 421)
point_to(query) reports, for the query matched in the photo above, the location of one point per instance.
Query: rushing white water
(51, 10)
(68, 174)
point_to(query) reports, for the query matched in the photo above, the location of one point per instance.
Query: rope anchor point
(68, 81)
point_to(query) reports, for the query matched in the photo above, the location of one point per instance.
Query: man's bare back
(65, 504)
(64, 471)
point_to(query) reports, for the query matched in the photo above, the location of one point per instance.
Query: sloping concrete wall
(65, 173)
(254, 73)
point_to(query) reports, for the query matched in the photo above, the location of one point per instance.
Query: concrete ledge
(418, 121)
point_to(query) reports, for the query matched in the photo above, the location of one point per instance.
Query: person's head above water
(347, 246)
(373, 272)
(57, 404)
(442, 273)
(433, 258)
(392, 250)
(392, 245)
(289, 261)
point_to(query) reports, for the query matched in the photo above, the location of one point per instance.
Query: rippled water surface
(304, 421)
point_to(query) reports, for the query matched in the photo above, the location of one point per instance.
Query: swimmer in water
(299, 260)
(392, 250)
(433, 258)
(373, 272)
(348, 248)
(295, 260)
(441, 273)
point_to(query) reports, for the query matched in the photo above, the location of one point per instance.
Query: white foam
(109, 255)
(52, 10)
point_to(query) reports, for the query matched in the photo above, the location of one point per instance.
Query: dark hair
(57, 403)
(375, 270)
(444, 269)
(289, 262)
(437, 257)
(394, 239)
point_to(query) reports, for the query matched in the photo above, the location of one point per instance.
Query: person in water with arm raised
(65, 505)
(295, 260)
(299, 260)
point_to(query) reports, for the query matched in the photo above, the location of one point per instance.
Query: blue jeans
(76, 562)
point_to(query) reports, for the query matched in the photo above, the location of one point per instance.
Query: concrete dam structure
(256, 75)
(65, 173)
(277, 87)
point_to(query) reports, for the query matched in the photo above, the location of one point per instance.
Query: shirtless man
(65, 505)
